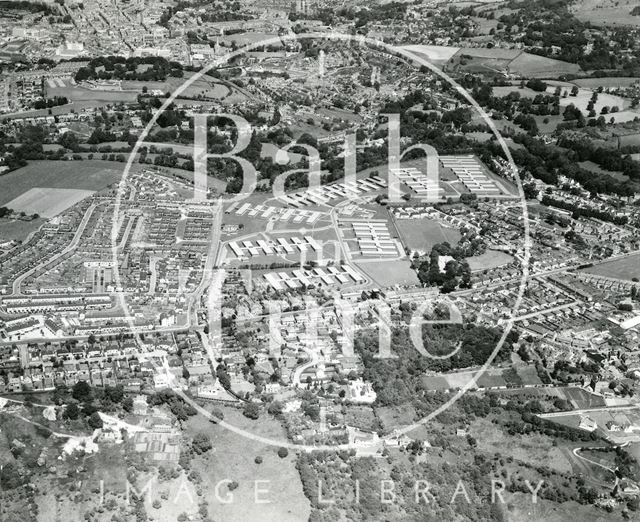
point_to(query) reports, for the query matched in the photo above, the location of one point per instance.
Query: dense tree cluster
(181, 409)
(135, 68)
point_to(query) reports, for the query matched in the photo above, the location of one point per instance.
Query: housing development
(317, 260)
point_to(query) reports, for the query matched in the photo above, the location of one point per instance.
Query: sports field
(423, 234)
(626, 268)
(490, 259)
(390, 273)
(47, 202)
(81, 175)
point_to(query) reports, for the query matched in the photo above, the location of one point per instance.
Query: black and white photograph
(319, 261)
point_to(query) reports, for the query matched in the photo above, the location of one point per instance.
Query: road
(68, 249)
(576, 453)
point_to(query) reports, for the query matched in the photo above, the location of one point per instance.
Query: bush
(283, 452)
(201, 443)
(258, 460)
(251, 410)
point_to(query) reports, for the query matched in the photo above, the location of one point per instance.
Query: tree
(95, 421)
(81, 391)
(251, 410)
(201, 443)
(258, 460)
(283, 452)
(72, 411)
(10, 476)
(127, 404)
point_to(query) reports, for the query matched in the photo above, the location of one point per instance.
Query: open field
(533, 448)
(438, 54)
(594, 83)
(390, 273)
(606, 12)
(512, 60)
(490, 259)
(47, 202)
(626, 268)
(580, 101)
(78, 93)
(448, 381)
(424, 234)
(233, 459)
(577, 397)
(18, 229)
(83, 175)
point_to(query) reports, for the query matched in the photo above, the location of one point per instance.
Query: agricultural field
(47, 202)
(610, 13)
(577, 398)
(516, 62)
(626, 268)
(614, 82)
(423, 234)
(491, 378)
(91, 175)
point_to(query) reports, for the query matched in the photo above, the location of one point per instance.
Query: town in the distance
(290, 260)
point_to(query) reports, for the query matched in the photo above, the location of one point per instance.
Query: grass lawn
(84, 175)
(390, 273)
(424, 234)
(626, 268)
(490, 259)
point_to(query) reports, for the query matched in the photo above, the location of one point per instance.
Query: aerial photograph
(319, 260)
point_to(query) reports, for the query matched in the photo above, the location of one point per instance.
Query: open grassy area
(84, 175)
(611, 13)
(16, 229)
(423, 234)
(47, 202)
(234, 459)
(390, 273)
(533, 448)
(490, 259)
(626, 268)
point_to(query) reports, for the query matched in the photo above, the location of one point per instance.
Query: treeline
(32, 7)
(545, 162)
(578, 211)
(399, 380)
(50, 102)
(120, 68)
(608, 159)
